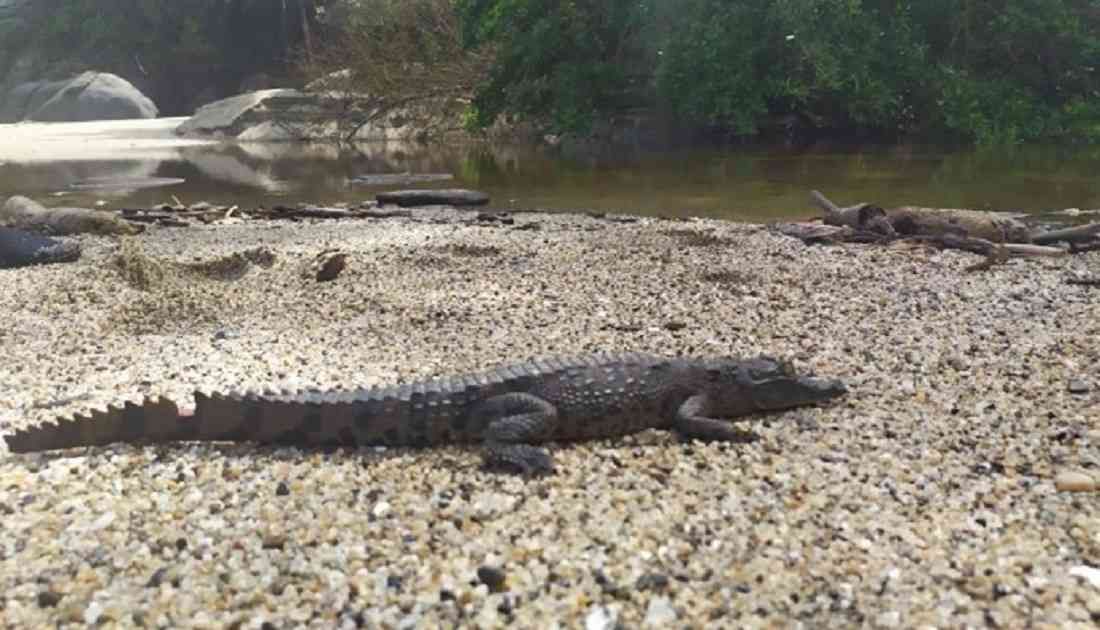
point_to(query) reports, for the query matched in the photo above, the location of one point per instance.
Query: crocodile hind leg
(516, 421)
(691, 422)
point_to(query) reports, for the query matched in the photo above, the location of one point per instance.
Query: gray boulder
(232, 116)
(88, 96)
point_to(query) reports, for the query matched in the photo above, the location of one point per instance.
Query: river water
(135, 164)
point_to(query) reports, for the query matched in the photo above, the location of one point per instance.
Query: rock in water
(444, 197)
(21, 249)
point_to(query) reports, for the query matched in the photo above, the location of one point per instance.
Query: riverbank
(925, 497)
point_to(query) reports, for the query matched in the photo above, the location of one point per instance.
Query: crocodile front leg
(515, 421)
(692, 422)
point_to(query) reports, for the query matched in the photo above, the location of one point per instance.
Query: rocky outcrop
(88, 96)
(285, 114)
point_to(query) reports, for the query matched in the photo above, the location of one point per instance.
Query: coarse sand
(924, 498)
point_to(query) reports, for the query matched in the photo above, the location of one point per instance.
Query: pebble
(492, 577)
(659, 613)
(917, 500)
(1078, 386)
(1071, 481)
(600, 618)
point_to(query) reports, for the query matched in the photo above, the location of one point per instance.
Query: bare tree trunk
(307, 37)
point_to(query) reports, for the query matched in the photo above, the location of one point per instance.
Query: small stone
(1078, 386)
(274, 540)
(492, 577)
(889, 619)
(659, 613)
(652, 582)
(92, 613)
(1071, 481)
(675, 325)
(157, 578)
(282, 489)
(381, 509)
(1092, 574)
(226, 333)
(600, 618)
(48, 599)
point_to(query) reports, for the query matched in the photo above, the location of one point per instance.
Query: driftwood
(447, 197)
(1075, 248)
(179, 215)
(947, 229)
(862, 217)
(813, 233)
(989, 248)
(27, 214)
(1088, 282)
(916, 221)
(1074, 234)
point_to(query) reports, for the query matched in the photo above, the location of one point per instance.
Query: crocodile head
(765, 384)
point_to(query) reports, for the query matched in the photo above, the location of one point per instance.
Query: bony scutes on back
(511, 409)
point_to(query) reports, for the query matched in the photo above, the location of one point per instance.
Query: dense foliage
(984, 70)
(990, 71)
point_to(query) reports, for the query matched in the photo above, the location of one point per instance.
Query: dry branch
(1070, 235)
(916, 221)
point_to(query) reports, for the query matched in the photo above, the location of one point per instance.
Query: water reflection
(143, 168)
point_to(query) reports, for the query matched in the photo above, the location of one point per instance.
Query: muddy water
(140, 164)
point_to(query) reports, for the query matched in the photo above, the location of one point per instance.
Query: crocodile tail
(153, 420)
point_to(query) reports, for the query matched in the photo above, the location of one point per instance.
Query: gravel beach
(924, 498)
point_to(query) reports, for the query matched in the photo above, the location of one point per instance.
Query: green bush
(994, 71)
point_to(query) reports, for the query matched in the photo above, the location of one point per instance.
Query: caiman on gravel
(509, 409)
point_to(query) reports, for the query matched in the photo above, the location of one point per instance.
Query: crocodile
(510, 409)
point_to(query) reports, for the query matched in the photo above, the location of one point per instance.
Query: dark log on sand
(442, 197)
(1076, 234)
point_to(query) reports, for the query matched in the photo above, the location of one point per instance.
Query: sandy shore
(925, 498)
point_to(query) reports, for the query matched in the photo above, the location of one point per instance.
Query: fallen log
(1087, 282)
(446, 197)
(1078, 248)
(862, 217)
(989, 248)
(1070, 235)
(27, 214)
(813, 233)
(314, 212)
(917, 221)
